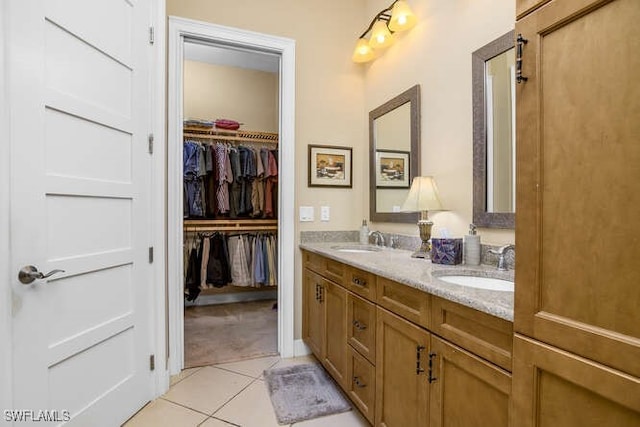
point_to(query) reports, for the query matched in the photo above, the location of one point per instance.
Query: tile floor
(228, 394)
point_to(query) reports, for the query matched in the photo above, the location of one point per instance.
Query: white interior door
(80, 184)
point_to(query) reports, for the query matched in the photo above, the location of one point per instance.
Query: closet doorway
(230, 291)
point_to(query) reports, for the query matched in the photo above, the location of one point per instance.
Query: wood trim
(230, 135)
(195, 225)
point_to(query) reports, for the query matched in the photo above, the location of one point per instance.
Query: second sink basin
(362, 249)
(487, 283)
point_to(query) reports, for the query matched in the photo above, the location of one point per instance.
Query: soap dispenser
(472, 247)
(364, 233)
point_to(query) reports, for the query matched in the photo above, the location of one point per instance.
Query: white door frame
(6, 349)
(179, 28)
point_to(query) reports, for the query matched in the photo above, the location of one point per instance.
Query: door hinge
(150, 139)
(152, 362)
(152, 35)
(151, 255)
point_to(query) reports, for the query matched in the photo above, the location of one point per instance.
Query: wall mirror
(494, 132)
(394, 156)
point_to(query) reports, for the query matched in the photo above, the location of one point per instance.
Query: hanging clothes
(192, 278)
(271, 185)
(224, 178)
(218, 274)
(239, 260)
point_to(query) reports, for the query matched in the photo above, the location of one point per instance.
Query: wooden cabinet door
(313, 313)
(334, 299)
(402, 388)
(554, 388)
(466, 390)
(578, 180)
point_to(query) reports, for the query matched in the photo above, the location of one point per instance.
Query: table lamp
(423, 197)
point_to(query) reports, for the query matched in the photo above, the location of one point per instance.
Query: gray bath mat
(303, 392)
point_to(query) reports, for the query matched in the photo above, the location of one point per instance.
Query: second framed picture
(392, 169)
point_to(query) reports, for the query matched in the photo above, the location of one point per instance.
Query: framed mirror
(394, 156)
(494, 165)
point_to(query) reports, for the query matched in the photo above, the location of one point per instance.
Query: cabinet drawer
(314, 262)
(332, 270)
(335, 271)
(362, 384)
(405, 301)
(487, 336)
(361, 283)
(361, 326)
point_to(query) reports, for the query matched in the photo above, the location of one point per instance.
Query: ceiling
(231, 56)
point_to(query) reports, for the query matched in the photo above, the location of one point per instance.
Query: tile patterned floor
(229, 394)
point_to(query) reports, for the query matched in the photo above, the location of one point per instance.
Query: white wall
(437, 55)
(222, 92)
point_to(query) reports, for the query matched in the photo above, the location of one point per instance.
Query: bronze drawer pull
(356, 381)
(358, 281)
(359, 326)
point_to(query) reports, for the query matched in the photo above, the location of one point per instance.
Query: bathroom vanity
(408, 348)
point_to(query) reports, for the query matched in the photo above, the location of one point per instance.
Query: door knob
(30, 273)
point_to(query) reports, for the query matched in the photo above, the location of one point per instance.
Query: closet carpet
(229, 332)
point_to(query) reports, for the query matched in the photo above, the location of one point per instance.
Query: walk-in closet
(230, 204)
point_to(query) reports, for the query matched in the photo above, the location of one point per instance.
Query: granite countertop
(397, 265)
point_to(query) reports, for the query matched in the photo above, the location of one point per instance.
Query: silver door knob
(30, 273)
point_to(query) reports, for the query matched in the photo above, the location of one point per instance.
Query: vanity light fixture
(395, 18)
(423, 197)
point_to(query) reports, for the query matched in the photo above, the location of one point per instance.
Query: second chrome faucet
(501, 252)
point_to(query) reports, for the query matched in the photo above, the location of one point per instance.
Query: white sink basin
(487, 283)
(359, 249)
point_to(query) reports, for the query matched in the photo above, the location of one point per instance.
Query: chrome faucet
(378, 236)
(501, 252)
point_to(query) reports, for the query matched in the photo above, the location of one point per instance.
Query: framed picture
(392, 169)
(329, 166)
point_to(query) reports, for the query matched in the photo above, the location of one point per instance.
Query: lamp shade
(363, 52)
(423, 196)
(402, 18)
(380, 35)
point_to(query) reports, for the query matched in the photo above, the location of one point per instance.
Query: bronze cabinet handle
(520, 42)
(359, 326)
(356, 381)
(419, 369)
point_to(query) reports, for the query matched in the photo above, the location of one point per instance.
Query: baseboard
(231, 298)
(300, 349)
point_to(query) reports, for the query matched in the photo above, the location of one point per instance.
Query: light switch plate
(306, 213)
(325, 213)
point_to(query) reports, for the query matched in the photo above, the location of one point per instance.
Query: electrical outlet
(325, 213)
